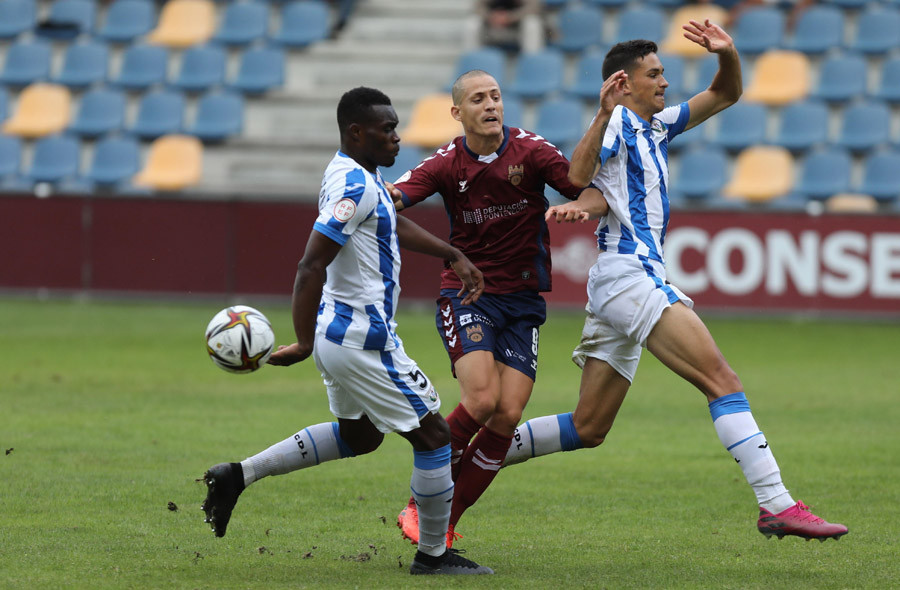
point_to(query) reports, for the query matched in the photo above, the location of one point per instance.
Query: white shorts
(626, 297)
(387, 386)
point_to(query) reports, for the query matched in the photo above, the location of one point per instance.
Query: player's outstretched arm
(586, 157)
(412, 237)
(590, 204)
(311, 274)
(727, 85)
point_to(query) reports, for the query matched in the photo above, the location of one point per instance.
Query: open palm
(709, 35)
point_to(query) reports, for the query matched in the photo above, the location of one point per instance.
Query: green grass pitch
(110, 411)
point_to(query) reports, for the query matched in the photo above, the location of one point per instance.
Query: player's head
(645, 86)
(477, 103)
(368, 126)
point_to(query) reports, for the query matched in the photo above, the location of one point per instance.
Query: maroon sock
(462, 428)
(477, 469)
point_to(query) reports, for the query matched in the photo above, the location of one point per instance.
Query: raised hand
(709, 35)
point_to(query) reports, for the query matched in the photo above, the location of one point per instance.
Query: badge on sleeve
(344, 210)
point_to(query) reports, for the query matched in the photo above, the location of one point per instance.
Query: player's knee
(481, 406)
(505, 420)
(362, 446)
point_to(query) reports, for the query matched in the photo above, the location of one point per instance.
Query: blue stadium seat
(824, 173)
(702, 172)
(116, 159)
(16, 16)
(127, 20)
(818, 29)
(219, 116)
(848, 4)
(202, 67)
(303, 22)
(559, 121)
(101, 111)
(143, 66)
(640, 22)
(55, 158)
(841, 78)
(608, 3)
(513, 111)
(706, 68)
(759, 29)
(4, 103)
(243, 23)
(579, 28)
(538, 74)
(489, 59)
(84, 64)
(260, 70)
(26, 62)
(588, 76)
(159, 113)
(409, 157)
(691, 138)
(68, 19)
(889, 82)
(741, 125)
(803, 125)
(865, 126)
(881, 176)
(10, 157)
(673, 71)
(877, 30)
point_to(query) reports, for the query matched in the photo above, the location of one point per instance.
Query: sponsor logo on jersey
(516, 173)
(344, 210)
(463, 185)
(526, 274)
(475, 333)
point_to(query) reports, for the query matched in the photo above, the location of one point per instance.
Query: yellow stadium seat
(175, 162)
(851, 203)
(42, 109)
(779, 77)
(675, 41)
(431, 125)
(761, 173)
(183, 23)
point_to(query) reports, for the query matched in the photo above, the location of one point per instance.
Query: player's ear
(354, 132)
(454, 112)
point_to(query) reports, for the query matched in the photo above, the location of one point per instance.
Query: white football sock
(432, 488)
(309, 447)
(542, 436)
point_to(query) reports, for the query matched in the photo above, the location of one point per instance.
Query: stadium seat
(489, 59)
(202, 67)
(4, 103)
(219, 116)
(260, 70)
(243, 23)
(538, 74)
(701, 173)
(639, 22)
(128, 19)
(303, 22)
(779, 77)
(851, 203)
(877, 30)
(16, 16)
(803, 125)
(84, 64)
(864, 126)
(579, 28)
(881, 176)
(430, 123)
(42, 109)
(694, 136)
(513, 111)
(741, 125)
(706, 68)
(115, 160)
(408, 158)
(675, 41)
(889, 81)
(559, 121)
(673, 70)
(67, 19)
(159, 113)
(818, 29)
(588, 76)
(101, 111)
(10, 157)
(142, 67)
(183, 23)
(841, 78)
(55, 158)
(26, 62)
(608, 3)
(759, 29)
(824, 173)
(174, 162)
(761, 173)
(848, 4)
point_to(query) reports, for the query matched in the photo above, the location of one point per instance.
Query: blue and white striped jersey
(634, 178)
(360, 294)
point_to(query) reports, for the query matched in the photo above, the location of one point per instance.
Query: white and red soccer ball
(239, 339)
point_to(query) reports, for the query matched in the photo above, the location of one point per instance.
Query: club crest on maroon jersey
(516, 173)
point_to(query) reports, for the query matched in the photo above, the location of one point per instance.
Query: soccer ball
(239, 339)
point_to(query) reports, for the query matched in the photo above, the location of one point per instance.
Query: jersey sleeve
(611, 139)
(555, 169)
(343, 206)
(418, 184)
(676, 118)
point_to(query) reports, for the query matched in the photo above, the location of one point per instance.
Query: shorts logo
(344, 210)
(432, 395)
(449, 327)
(516, 173)
(526, 274)
(475, 333)
(465, 318)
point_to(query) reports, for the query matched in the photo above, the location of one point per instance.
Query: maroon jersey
(496, 206)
